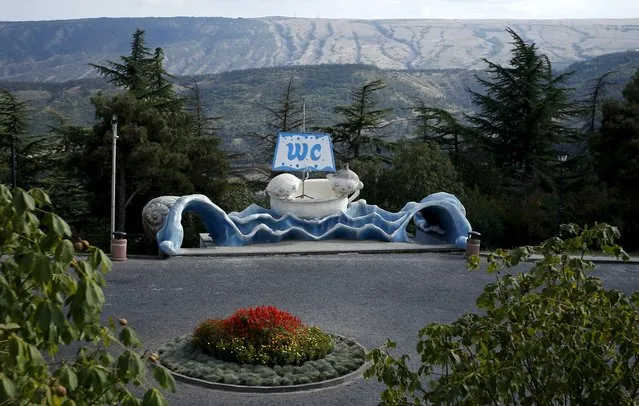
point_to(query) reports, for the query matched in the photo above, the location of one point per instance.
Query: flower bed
(182, 357)
(262, 347)
(263, 336)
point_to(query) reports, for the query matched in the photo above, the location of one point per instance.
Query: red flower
(257, 323)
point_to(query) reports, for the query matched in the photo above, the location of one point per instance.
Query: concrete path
(317, 248)
(367, 297)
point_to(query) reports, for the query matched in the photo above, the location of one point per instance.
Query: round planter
(190, 365)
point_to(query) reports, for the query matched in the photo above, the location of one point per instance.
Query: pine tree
(13, 130)
(163, 149)
(615, 149)
(53, 169)
(522, 115)
(438, 125)
(135, 72)
(285, 114)
(593, 100)
(359, 133)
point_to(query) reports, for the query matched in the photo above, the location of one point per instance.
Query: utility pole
(114, 130)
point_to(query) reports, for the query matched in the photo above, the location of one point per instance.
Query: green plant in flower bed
(182, 357)
(262, 335)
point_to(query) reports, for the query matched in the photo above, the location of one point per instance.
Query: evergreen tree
(616, 147)
(438, 125)
(162, 147)
(158, 153)
(594, 98)
(284, 115)
(53, 169)
(13, 130)
(204, 125)
(616, 154)
(522, 115)
(131, 74)
(141, 72)
(359, 133)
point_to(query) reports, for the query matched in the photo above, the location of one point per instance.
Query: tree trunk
(14, 163)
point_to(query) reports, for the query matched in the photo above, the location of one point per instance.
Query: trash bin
(118, 246)
(472, 244)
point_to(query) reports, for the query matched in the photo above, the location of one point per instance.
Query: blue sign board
(312, 152)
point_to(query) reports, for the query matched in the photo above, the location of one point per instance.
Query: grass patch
(181, 356)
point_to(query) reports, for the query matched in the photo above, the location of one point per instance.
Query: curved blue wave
(439, 218)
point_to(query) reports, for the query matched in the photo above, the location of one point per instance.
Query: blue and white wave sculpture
(439, 218)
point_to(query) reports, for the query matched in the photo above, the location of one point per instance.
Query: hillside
(55, 51)
(240, 97)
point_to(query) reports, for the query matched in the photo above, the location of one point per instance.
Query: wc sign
(312, 152)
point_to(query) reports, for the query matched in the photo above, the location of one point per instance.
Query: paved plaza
(369, 297)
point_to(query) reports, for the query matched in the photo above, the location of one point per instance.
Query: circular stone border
(268, 389)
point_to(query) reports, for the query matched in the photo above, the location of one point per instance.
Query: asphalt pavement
(368, 297)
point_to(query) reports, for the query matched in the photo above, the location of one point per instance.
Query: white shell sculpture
(154, 214)
(344, 182)
(284, 186)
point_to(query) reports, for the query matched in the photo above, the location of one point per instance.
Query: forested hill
(61, 50)
(240, 97)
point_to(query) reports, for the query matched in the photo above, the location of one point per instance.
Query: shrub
(262, 335)
(418, 169)
(49, 298)
(549, 336)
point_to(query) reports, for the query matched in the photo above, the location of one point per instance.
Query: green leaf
(7, 388)
(34, 354)
(65, 251)
(130, 400)
(22, 201)
(153, 397)
(5, 194)
(455, 356)
(129, 365)
(91, 293)
(97, 378)
(99, 260)
(42, 271)
(9, 326)
(40, 196)
(43, 315)
(164, 378)
(59, 227)
(129, 338)
(18, 351)
(68, 377)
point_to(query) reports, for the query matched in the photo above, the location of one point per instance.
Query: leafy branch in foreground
(50, 297)
(552, 335)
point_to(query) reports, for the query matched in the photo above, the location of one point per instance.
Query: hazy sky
(364, 9)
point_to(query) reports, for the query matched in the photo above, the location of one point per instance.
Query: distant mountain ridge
(56, 51)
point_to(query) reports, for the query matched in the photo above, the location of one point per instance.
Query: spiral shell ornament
(154, 214)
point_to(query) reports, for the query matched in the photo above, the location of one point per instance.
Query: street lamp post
(562, 157)
(114, 130)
